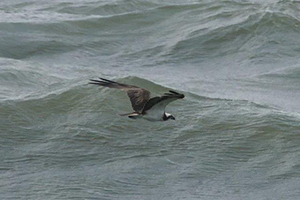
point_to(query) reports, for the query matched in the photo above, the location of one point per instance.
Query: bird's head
(168, 116)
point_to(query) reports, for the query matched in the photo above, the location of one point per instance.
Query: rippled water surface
(236, 134)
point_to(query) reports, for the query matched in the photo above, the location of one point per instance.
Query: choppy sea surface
(236, 134)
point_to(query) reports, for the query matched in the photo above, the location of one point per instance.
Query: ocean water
(236, 134)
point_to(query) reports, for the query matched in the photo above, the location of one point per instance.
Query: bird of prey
(152, 109)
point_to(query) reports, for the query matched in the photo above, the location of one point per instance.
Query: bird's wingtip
(175, 93)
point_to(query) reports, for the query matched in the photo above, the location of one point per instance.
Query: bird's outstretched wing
(138, 96)
(161, 102)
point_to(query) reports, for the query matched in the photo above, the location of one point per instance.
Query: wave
(242, 36)
(166, 33)
(50, 116)
(291, 73)
(80, 93)
(183, 31)
(60, 89)
(92, 109)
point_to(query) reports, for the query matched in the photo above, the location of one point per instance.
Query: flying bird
(152, 109)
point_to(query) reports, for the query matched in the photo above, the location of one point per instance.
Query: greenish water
(236, 134)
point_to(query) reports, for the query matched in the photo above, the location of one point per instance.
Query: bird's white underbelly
(154, 115)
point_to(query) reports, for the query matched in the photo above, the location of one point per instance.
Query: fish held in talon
(145, 107)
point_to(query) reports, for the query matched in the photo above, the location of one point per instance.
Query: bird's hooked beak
(172, 117)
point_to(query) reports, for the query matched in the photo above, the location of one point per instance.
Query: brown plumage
(165, 100)
(138, 96)
(151, 109)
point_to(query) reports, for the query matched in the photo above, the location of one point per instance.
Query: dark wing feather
(163, 101)
(138, 96)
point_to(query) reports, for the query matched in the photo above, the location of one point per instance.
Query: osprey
(152, 109)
